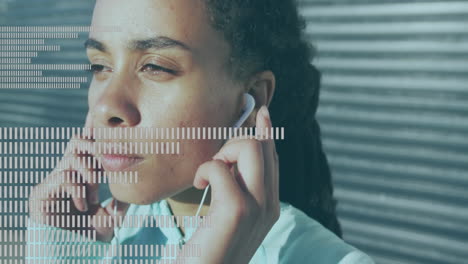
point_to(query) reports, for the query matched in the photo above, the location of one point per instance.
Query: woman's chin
(128, 194)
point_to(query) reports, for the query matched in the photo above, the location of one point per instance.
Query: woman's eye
(156, 69)
(97, 68)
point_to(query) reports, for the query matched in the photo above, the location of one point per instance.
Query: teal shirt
(294, 238)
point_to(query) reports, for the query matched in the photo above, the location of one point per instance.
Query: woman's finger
(271, 161)
(75, 190)
(248, 156)
(91, 169)
(84, 170)
(80, 144)
(264, 124)
(224, 187)
(255, 159)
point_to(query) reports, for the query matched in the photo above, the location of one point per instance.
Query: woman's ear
(262, 87)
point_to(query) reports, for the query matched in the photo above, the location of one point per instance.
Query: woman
(187, 64)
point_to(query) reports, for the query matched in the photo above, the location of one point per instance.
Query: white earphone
(247, 110)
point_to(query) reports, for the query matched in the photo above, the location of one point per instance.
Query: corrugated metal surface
(394, 115)
(43, 107)
(48, 107)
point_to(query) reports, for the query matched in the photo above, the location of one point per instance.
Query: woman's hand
(65, 183)
(245, 200)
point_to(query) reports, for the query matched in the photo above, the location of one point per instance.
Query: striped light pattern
(394, 115)
(393, 112)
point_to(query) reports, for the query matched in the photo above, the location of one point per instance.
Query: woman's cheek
(162, 176)
(193, 153)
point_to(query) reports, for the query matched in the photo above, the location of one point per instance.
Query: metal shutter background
(393, 112)
(48, 107)
(394, 116)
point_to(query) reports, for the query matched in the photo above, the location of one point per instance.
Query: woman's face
(166, 67)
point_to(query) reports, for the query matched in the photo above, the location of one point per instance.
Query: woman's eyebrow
(159, 42)
(91, 43)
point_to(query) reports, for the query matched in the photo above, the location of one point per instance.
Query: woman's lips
(115, 162)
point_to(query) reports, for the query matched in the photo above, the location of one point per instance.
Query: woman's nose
(117, 106)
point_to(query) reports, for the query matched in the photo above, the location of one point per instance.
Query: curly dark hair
(268, 35)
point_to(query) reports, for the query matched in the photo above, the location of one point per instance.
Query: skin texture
(192, 89)
(126, 94)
